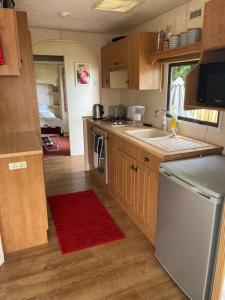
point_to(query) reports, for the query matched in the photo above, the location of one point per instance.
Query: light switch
(18, 165)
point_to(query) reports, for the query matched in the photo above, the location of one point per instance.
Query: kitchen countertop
(120, 131)
(19, 144)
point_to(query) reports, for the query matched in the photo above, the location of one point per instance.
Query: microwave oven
(211, 90)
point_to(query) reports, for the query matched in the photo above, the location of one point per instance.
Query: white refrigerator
(191, 193)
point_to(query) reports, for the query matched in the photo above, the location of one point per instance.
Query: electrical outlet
(18, 165)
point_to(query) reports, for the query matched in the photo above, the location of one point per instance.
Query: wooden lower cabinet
(125, 180)
(137, 193)
(112, 165)
(23, 211)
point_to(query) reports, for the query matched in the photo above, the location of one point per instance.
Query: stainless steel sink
(148, 133)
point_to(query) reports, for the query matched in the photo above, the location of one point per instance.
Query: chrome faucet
(164, 113)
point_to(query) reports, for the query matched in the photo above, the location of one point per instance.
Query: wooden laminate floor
(121, 270)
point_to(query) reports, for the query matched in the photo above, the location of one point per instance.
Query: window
(176, 92)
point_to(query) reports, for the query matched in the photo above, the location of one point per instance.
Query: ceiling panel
(45, 14)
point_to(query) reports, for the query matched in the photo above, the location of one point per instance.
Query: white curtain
(1, 252)
(177, 99)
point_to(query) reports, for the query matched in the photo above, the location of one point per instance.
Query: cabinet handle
(146, 158)
(116, 63)
(135, 169)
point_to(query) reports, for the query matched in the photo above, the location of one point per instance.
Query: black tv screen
(212, 84)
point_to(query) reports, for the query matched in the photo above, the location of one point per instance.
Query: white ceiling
(45, 14)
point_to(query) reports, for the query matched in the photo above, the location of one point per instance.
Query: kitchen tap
(164, 121)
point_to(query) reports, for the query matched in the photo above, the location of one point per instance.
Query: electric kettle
(98, 111)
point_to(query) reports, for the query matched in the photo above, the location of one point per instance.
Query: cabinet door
(105, 66)
(142, 191)
(118, 53)
(145, 200)
(133, 61)
(23, 212)
(112, 164)
(125, 180)
(214, 25)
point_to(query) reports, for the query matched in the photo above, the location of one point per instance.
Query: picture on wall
(82, 73)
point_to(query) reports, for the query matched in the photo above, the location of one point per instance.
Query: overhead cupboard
(130, 54)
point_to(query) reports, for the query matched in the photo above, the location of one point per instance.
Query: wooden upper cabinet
(10, 43)
(143, 75)
(214, 25)
(118, 54)
(132, 54)
(105, 67)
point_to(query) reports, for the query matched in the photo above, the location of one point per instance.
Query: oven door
(100, 154)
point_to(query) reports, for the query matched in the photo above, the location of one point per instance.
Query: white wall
(178, 18)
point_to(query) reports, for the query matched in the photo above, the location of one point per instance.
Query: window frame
(199, 122)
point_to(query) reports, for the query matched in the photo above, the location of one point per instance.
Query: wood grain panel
(127, 147)
(112, 164)
(192, 51)
(148, 159)
(219, 275)
(105, 67)
(20, 109)
(23, 214)
(9, 41)
(19, 144)
(150, 75)
(126, 179)
(133, 61)
(214, 25)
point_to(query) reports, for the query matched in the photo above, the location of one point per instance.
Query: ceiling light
(122, 6)
(64, 14)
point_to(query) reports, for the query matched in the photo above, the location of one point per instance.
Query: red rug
(82, 221)
(64, 148)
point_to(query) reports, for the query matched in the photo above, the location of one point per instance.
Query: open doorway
(52, 105)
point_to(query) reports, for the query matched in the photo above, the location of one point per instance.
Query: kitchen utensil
(161, 38)
(174, 41)
(183, 38)
(194, 35)
(98, 111)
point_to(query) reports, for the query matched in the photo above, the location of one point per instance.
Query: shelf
(19, 144)
(189, 51)
(54, 106)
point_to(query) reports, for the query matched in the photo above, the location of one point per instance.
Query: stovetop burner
(116, 122)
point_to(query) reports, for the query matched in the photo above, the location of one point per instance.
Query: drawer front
(148, 159)
(127, 147)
